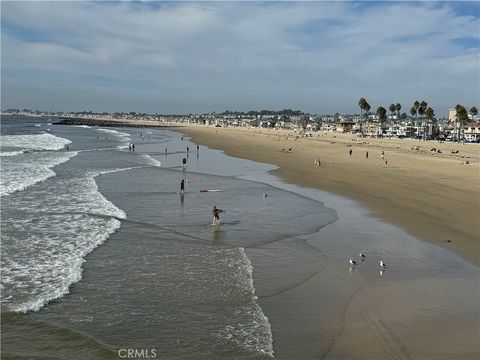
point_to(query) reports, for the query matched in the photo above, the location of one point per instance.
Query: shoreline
(429, 195)
(433, 199)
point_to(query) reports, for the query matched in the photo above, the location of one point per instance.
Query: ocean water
(101, 254)
(100, 248)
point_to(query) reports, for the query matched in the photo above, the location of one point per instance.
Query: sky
(198, 57)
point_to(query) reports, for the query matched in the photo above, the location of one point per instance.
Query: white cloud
(320, 57)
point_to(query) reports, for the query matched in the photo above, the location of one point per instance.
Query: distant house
(327, 126)
(471, 132)
(345, 126)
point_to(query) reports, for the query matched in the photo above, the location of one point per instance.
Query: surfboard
(207, 190)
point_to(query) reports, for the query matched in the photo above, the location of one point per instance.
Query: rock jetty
(110, 123)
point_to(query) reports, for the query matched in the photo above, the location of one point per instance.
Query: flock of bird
(362, 256)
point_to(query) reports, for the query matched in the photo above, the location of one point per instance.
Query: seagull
(353, 262)
(382, 264)
(363, 256)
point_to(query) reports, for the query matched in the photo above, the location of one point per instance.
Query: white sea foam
(123, 137)
(45, 247)
(151, 161)
(20, 172)
(11, 153)
(34, 142)
(82, 126)
(256, 334)
(115, 132)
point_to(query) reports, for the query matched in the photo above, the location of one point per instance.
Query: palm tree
(382, 115)
(421, 111)
(392, 109)
(462, 118)
(474, 111)
(361, 104)
(398, 107)
(367, 108)
(413, 111)
(416, 105)
(422, 108)
(430, 115)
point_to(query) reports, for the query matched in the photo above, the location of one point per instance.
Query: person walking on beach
(366, 155)
(182, 186)
(216, 217)
(198, 147)
(350, 152)
(133, 147)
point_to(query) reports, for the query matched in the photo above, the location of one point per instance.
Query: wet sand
(429, 195)
(422, 306)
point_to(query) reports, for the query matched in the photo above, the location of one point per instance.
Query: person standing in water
(182, 186)
(216, 217)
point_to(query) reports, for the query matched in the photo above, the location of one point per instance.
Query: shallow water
(106, 254)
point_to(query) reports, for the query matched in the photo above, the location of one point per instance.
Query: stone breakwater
(111, 123)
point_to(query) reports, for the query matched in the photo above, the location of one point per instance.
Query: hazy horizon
(201, 57)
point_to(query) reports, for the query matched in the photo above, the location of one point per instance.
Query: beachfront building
(371, 129)
(328, 126)
(452, 115)
(345, 126)
(471, 132)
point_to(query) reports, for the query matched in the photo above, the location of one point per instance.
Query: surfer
(216, 218)
(182, 186)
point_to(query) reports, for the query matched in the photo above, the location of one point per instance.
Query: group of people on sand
(382, 155)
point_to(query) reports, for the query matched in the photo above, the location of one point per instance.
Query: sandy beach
(428, 194)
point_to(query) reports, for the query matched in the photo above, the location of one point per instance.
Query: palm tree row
(419, 108)
(395, 108)
(422, 109)
(381, 111)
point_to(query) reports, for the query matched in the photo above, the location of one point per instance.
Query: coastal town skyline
(203, 57)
